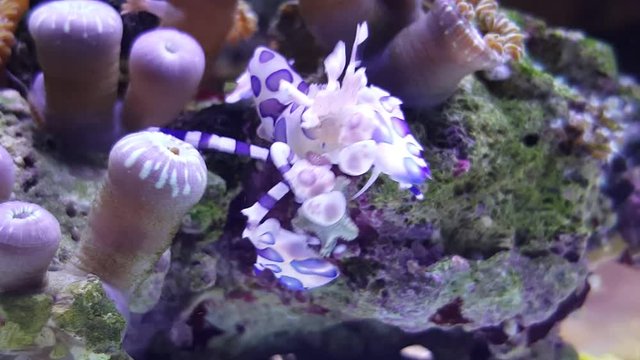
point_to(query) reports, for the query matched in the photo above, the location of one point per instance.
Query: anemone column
(425, 62)
(165, 68)
(78, 47)
(153, 180)
(331, 21)
(29, 238)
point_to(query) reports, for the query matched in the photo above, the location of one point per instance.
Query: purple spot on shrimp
(280, 130)
(291, 283)
(400, 126)
(266, 55)
(267, 238)
(271, 108)
(274, 268)
(273, 80)
(381, 135)
(317, 267)
(203, 143)
(255, 85)
(242, 148)
(270, 254)
(303, 87)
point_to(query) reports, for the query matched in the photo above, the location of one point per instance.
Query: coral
(11, 11)
(195, 17)
(425, 62)
(7, 174)
(385, 20)
(29, 238)
(244, 25)
(165, 67)
(419, 56)
(78, 48)
(152, 181)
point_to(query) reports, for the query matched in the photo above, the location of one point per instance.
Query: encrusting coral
(11, 11)
(78, 48)
(165, 68)
(153, 180)
(7, 174)
(29, 238)
(421, 56)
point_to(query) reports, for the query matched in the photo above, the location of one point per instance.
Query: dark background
(615, 21)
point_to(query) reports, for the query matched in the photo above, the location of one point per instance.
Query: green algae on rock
(87, 313)
(22, 320)
(517, 190)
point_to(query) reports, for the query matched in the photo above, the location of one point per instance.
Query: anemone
(425, 62)
(208, 21)
(7, 174)
(153, 180)
(29, 238)
(165, 67)
(78, 48)
(331, 21)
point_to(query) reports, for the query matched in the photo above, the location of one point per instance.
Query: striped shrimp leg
(207, 141)
(256, 212)
(283, 158)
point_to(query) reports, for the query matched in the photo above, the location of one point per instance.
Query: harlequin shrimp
(313, 127)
